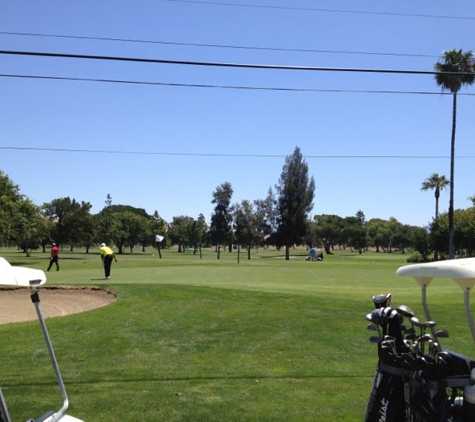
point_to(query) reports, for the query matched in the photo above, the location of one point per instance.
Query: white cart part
(20, 276)
(462, 271)
(28, 277)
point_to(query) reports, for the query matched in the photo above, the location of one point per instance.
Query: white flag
(158, 238)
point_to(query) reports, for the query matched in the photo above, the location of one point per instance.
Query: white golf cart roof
(462, 271)
(20, 276)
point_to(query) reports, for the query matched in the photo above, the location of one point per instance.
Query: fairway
(192, 339)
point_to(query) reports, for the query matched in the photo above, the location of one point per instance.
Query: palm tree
(454, 69)
(438, 183)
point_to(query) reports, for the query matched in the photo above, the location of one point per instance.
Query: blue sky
(167, 148)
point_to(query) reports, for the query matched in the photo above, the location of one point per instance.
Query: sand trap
(16, 305)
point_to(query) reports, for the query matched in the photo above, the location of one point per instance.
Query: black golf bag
(408, 385)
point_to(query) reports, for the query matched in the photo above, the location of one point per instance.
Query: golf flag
(158, 238)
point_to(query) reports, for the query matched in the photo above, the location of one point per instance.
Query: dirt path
(16, 306)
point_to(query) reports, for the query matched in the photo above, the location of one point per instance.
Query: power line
(222, 155)
(236, 87)
(292, 50)
(220, 64)
(313, 9)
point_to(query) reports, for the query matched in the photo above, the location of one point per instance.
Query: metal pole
(35, 298)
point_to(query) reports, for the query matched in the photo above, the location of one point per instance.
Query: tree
(130, 225)
(421, 242)
(21, 221)
(454, 70)
(328, 229)
(246, 225)
(402, 238)
(464, 232)
(295, 201)
(220, 227)
(72, 220)
(180, 230)
(78, 224)
(437, 183)
(197, 233)
(354, 231)
(379, 234)
(266, 217)
(106, 226)
(10, 196)
(133, 227)
(28, 225)
(158, 226)
(56, 211)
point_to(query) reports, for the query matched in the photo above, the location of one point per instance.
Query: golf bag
(408, 385)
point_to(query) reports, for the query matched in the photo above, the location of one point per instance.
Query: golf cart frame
(33, 279)
(462, 271)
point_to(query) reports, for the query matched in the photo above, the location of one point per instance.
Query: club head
(382, 300)
(369, 317)
(377, 317)
(374, 339)
(442, 334)
(405, 311)
(389, 345)
(424, 337)
(443, 357)
(372, 327)
(423, 324)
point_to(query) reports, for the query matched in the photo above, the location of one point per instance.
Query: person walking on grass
(107, 255)
(54, 257)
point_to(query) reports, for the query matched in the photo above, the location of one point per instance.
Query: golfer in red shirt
(54, 257)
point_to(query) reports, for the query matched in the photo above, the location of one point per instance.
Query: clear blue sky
(357, 144)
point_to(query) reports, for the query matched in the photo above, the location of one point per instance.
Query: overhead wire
(318, 9)
(197, 154)
(224, 64)
(236, 87)
(239, 47)
(234, 65)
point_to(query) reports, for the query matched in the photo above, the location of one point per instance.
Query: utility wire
(192, 154)
(255, 88)
(292, 50)
(313, 9)
(220, 64)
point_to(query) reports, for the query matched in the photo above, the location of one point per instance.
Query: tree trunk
(326, 246)
(451, 202)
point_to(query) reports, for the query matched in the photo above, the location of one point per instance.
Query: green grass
(192, 339)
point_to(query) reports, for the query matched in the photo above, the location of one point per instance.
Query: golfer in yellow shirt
(107, 255)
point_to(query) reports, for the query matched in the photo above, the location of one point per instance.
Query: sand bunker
(16, 305)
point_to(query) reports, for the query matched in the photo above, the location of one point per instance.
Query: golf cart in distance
(31, 278)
